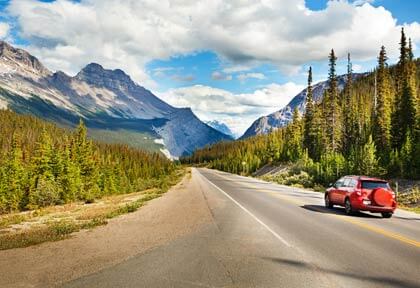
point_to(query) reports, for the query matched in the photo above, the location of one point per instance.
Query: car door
(334, 192)
(343, 190)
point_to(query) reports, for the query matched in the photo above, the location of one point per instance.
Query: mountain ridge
(104, 98)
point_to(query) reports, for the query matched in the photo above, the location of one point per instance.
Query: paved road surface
(267, 235)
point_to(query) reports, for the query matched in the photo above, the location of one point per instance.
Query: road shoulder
(179, 212)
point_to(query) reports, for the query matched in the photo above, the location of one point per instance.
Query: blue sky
(251, 57)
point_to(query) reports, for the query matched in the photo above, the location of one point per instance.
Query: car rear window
(374, 184)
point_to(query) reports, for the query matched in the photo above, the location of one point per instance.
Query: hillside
(109, 101)
(42, 165)
(371, 126)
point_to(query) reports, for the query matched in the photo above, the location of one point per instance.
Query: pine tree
(349, 117)
(295, 137)
(382, 115)
(333, 128)
(14, 177)
(309, 137)
(368, 160)
(404, 116)
(44, 190)
(70, 179)
(86, 157)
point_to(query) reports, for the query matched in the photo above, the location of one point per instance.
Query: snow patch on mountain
(220, 126)
(3, 104)
(164, 150)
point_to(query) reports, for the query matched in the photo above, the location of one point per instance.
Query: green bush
(45, 193)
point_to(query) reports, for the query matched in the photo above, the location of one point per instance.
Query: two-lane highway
(267, 235)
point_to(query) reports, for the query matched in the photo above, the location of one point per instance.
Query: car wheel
(328, 203)
(386, 214)
(347, 207)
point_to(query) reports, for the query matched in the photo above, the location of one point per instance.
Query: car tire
(386, 214)
(328, 203)
(347, 207)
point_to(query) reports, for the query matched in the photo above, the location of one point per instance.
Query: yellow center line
(371, 228)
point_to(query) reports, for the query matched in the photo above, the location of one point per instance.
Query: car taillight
(358, 192)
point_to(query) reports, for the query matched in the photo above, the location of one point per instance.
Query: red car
(360, 193)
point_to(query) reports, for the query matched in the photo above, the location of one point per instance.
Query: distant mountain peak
(106, 99)
(21, 59)
(95, 72)
(221, 127)
(92, 68)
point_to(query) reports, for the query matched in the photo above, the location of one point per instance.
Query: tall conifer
(382, 115)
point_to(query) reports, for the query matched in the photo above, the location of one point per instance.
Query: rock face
(282, 117)
(221, 127)
(105, 99)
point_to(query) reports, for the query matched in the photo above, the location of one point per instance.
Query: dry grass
(410, 200)
(59, 222)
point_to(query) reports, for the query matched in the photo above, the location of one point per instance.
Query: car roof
(366, 178)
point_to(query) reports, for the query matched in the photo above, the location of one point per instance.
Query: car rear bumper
(373, 208)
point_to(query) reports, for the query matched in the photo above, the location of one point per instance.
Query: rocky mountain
(282, 117)
(221, 127)
(109, 101)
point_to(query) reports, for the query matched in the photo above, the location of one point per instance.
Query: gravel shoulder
(178, 212)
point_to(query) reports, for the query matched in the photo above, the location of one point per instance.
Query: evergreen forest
(42, 164)
(371, 127)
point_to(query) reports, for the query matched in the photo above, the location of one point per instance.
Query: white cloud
(238, 111)
(161, 71)
(236, 68)
(357, 68)
(128, 34)
(244, 76)
(183, 78)
(216, 75)
(362, 2)
(4, 30)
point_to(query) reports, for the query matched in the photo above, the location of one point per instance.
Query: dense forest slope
(42, 164)
(371, 127)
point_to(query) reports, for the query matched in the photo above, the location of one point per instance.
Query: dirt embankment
(180, 211)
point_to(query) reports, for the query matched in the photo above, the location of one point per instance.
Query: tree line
(42, 165)
(372, 127)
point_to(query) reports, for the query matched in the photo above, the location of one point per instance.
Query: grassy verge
(410, 201)
(59, 222)
(295, 178)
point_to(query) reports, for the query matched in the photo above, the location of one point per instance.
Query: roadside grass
(410, 200)
(59, 222)
(293, 178)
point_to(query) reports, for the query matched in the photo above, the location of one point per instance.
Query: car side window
(353, 183)
(347, 182)
(339, 183)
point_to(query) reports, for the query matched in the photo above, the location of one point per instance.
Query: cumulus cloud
(238, 111)
(127, 34)
(4, 30)
(183, 78)
(161, 71)
(218, 76)
(361, 2)
(244, 76)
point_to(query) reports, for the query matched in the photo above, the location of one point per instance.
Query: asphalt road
(267, 235)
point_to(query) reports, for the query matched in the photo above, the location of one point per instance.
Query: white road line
(247, 211)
